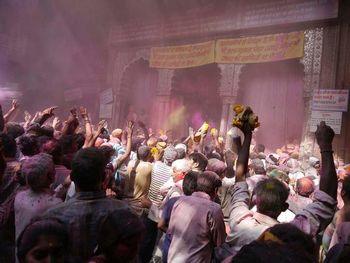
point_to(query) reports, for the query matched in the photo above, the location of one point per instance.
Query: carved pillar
(229, 86)
(118, 63)
(165, 77)
(312, 69)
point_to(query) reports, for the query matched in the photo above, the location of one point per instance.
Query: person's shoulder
(114, 203)
(58, 209)
(21, 195)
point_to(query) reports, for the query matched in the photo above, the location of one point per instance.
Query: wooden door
(275, 92)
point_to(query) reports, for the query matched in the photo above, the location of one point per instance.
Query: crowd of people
(76, 192)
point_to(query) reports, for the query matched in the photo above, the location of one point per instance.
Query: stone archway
(138, 87)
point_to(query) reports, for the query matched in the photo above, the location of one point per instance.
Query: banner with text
(332, 119)
(185, 56)
(260, 49)
(330, 100)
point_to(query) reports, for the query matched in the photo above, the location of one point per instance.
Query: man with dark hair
(14, 129)
(53, 148)
(189, 186)
(271, 195)
(8, 188)
(198, 161)
(9, 180)
(84, 212)
(28, 145)
(197, 223)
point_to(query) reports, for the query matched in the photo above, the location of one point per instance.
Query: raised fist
(324, 136)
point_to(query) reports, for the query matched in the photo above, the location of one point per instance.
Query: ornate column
(229, 86)
(165, 77)
(118, 62)
(312, 69)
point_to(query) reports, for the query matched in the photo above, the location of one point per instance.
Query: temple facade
(280, 92)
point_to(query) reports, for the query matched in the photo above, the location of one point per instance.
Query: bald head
(117, 133)
(305, 186)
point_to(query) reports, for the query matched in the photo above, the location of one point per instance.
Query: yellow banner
(260, 49)
(185, 56)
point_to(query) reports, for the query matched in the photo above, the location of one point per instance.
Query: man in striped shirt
(161, 173)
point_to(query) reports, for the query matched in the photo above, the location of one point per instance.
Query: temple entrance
(139, 85)
(195, 91)
(275, 92)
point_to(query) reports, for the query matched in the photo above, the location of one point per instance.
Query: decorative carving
(165, 78)
(238, 71)
(312, 68)
(227, 78)
(312, 60)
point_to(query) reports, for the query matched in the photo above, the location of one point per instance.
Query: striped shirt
(160, 174)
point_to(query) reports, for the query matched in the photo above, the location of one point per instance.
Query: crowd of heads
(40, 149)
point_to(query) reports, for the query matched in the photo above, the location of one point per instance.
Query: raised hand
(129, 128)
(27, 116)
(15, 104)
(55, 122)
(49, 111)
(100, 126)
(83, 112)
(324, 136)
(73, 111)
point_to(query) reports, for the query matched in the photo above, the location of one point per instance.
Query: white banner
(330, 100)
(332, 119)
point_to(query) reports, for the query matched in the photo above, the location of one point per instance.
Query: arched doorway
(196, 91)
(275, 92)
(138, 89)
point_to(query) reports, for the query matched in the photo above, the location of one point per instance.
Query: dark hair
(270, 252)
(295, 238)
(53, 148)
(189, 185)
(47, 130)
(2, 166)
(67, 142)
(143, 152)
(116, 227)
(200, 159)
(38, 227)
(107, 152)
(28, 145)
(79, 139)
(14, 129)
(271, 195)
(217, 166)
(38, 171)
(88, 168)
(208, 182)
(136, 143)
(9, 145)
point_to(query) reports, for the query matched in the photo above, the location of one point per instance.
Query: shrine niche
(197, 90)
